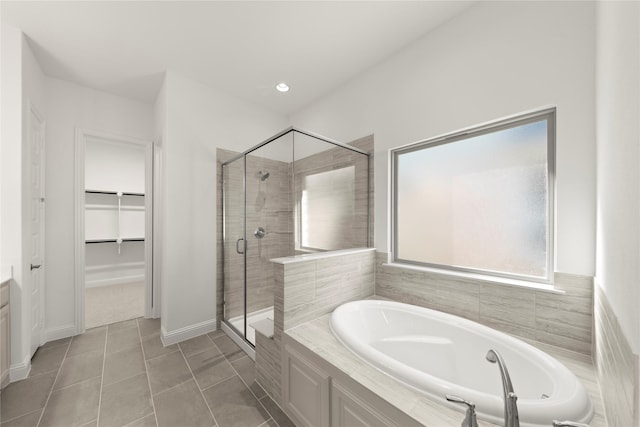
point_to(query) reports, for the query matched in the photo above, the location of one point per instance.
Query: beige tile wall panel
(303, 292)
(617, 366)
(561, 319)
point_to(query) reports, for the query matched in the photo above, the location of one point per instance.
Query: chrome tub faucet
(510, 398)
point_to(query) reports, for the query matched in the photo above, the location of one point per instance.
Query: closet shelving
(111, 210)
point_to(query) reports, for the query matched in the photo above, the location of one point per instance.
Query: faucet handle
(557, 423)
(470, 416)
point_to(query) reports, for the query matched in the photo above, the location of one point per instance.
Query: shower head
(263, 175)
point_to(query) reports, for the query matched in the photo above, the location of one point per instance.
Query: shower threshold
(253, 317)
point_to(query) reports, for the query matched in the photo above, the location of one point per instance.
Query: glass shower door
(234, 256)
(268, 217)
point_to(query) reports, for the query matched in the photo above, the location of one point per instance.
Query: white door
(36, 219)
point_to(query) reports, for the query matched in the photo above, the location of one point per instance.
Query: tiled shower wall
(564, 320)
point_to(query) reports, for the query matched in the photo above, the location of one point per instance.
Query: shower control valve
(259, 233)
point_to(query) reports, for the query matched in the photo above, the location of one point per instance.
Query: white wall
(114, 166)
(198, 120)
(494, 60)
(618, 147)
(70, 106)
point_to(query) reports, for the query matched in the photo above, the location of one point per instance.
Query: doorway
(114, 223)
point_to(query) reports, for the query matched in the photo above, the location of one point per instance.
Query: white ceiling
(241, 47)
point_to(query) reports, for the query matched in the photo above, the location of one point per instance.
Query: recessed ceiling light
(282, 87)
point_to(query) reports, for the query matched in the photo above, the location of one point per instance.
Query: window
(327, 209)
(480, 200)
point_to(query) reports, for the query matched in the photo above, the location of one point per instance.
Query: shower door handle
(241, 252)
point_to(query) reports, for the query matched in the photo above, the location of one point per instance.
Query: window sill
(504, 281)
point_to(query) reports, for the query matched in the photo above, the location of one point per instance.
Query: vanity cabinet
(5, 335)
(317, 394)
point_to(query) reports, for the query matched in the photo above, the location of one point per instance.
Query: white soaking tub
(438, 354)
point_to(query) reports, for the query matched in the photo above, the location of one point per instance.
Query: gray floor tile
(79, 368)
(148, 421)
(247, 371)
(133, 323)
(182, 406)
(215, 334)
(230, 349)
(47, 359)
(153, 346)
(29, 420)
(196, 345)
(234, 405)
(123, 364)
(73, 406)
(91, 340)
(122, 338)
(23, 397)
(209, 368)
(276, 413)
(125, 401)
(127, 396)
(148, 326)
(55, 343)
(167, 371)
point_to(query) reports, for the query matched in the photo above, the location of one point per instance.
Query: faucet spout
(510, 398)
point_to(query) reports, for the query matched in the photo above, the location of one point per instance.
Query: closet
(114, 222)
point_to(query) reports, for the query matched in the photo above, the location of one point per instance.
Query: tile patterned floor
(121, 375)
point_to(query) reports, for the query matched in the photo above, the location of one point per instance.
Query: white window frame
(548, 114)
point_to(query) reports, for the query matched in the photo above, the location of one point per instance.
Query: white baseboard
(187, 332)
(20, 371)
(65, 331)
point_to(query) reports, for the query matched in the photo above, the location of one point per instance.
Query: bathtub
(437, 354)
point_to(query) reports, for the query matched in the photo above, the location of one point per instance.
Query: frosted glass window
(327, 209)
(478, 202)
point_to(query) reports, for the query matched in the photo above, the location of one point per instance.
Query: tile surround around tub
(616, 364)
(564, 320)
(308, 287)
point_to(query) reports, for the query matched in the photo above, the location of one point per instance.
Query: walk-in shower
(292, 194)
